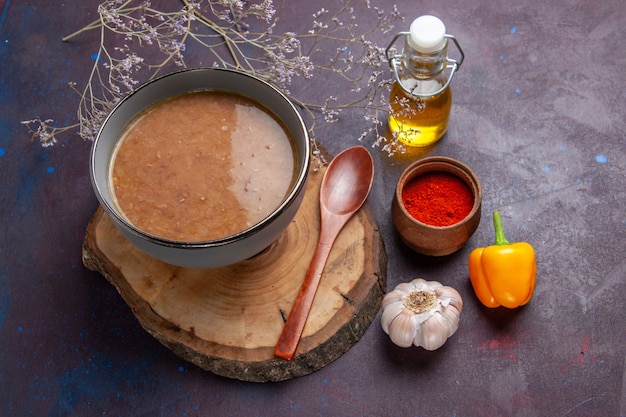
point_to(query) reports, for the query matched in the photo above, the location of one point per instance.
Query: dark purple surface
(539, 114)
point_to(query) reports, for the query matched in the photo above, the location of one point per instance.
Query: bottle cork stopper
(427, 34)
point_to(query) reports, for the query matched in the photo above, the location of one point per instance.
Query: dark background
(539, 114)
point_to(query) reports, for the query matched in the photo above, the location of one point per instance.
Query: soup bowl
(220, 251)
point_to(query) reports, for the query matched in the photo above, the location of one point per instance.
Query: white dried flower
(155, 40)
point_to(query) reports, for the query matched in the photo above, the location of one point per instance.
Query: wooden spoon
(345, 186)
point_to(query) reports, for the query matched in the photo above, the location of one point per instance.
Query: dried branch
(236, 34)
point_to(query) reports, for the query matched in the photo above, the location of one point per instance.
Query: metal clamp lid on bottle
(452, 64)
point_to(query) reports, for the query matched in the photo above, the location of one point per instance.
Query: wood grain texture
(227, 320)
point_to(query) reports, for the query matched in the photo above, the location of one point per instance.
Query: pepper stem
(497, 225)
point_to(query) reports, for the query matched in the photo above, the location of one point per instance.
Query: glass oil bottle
(421, 97)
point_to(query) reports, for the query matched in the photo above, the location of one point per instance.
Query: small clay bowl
(436, 240)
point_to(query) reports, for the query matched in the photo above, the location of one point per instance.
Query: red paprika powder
(437, 198)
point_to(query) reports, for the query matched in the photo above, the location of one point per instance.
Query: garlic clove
(419, 284)
(449, 318)
(405, 288)
(402, 329)
(431, 285)
(451, 296)
(392, 297)
(391, 311)
(422, 317)
(431, 334)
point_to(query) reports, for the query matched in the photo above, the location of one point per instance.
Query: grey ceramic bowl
(219, 252)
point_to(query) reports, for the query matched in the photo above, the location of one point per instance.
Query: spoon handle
(292, 331)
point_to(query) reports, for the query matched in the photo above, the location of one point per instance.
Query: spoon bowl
(345, 187)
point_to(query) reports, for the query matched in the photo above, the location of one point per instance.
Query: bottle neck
(424, 65)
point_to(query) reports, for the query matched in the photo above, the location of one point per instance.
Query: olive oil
(421, 98)
(417, 121)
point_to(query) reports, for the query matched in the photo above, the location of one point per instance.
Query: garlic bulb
(423, 313)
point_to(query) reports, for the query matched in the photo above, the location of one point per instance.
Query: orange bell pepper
(503, 274)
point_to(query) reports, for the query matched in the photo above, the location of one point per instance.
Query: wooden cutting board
(227, 320)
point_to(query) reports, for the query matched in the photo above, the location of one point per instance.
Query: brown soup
(202, 166)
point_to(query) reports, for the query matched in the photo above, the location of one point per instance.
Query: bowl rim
(409, 173)
(291, 198)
